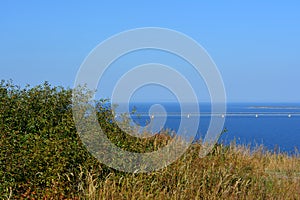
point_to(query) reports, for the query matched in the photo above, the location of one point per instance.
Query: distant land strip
(275, 107)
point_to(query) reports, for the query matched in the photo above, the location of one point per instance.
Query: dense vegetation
(41, 156)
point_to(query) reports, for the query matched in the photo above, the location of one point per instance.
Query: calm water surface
(276, 126)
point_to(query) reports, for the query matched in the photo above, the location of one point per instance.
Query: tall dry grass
(232, 172)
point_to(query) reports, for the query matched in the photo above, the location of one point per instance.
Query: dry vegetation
(226, 173)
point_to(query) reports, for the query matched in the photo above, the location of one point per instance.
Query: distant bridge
(229, 114)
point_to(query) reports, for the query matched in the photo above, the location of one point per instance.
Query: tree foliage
(40, 150)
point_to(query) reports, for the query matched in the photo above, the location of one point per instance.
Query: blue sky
(255, 44)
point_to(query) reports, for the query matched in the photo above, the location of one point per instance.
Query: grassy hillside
(42, 157)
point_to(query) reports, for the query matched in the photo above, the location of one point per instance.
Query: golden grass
(226, 173)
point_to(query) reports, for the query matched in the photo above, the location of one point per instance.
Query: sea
(275, 126)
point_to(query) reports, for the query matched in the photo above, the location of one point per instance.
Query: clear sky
(255, 44)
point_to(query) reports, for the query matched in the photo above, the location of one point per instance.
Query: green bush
(41, 153)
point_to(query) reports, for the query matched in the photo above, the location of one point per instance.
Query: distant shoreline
(274, 107)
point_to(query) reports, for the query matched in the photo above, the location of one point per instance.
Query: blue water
(275, 126)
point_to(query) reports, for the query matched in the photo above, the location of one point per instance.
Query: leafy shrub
(41, 153)
(40, 149)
